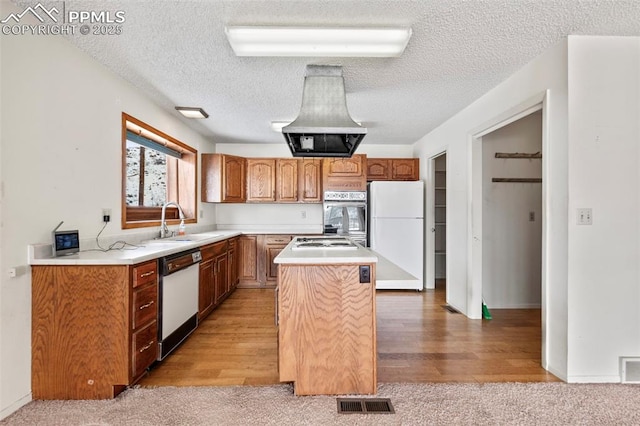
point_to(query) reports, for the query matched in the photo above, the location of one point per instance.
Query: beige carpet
(415, 404)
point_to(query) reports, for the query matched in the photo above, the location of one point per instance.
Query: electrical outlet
(201, 214)
(584, 216)
(303, 214)
(532, 216)
(106, 215)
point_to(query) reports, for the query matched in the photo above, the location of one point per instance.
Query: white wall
(304, 217)
(604, 150)
(591, 120)
(548, 72)
(511, 243)
(61, 160)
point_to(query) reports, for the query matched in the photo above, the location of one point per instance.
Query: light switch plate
(584, 216)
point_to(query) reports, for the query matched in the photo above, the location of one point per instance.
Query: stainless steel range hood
(324, 127)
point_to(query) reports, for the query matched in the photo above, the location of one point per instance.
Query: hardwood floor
(418, 341)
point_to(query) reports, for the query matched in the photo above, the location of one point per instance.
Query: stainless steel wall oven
(345, 214)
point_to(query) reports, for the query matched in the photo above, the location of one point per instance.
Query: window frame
(181, 181)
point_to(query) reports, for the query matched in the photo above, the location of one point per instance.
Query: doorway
(512, 215)
(436, 244)
(475, 196)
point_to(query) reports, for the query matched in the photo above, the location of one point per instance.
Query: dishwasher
(178, 299)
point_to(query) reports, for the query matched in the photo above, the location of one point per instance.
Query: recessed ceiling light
(192, 112)
(314, 42)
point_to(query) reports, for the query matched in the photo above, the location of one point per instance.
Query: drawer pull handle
(147, 346)
(146, 274)
(146, 305)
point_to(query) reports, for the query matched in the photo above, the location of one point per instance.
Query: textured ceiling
(177, 53)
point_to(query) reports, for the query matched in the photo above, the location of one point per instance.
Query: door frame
(474, 240)
(430, 208)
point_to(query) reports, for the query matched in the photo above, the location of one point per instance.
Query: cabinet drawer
(213, 250)
(145, 305)
(145, 348)
(277, 239)
(145, 273)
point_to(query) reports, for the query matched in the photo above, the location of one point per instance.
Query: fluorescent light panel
(192, 112)
(308, 41)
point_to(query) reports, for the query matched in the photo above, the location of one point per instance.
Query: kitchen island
(326, 317)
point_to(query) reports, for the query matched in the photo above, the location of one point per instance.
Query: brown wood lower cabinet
(218, 275)
(257, 252)
(94, 329)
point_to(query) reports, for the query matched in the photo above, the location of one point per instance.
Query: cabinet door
(223, 178)
(405, 169)
(272, 250)
(233, 179)
(232, 280)
(344, 174)
(287, 180)
(220, 274)
(261, 177)
(378, 169)
(248, 260)
(206, 293)
(345, 167)
(274, 244)
(310, 180)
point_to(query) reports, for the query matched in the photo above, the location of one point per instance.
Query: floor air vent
(630, 369)
(451, 309)
(365, 406)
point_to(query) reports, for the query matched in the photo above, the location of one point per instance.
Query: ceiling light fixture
(192, 112)
(315, 42)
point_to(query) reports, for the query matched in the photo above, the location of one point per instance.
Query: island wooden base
(327, 329)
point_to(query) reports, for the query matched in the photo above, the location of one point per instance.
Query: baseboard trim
(517, 306)
(15, 406)
(593, 379)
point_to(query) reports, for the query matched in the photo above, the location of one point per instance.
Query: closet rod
(518, 155)
(517, 180)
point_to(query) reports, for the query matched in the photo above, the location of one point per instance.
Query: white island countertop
(322, 256)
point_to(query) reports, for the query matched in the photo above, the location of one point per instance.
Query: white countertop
(323, 256)
(40, 254)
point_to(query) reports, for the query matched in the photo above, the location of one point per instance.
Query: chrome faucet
(164, 231)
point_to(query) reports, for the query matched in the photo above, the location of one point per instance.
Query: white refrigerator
(396, 232)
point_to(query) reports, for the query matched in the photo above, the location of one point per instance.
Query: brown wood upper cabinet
(223, 178)
(261, 179)
(310, 180)
(393, 169)
(344, 174)
(284, 180)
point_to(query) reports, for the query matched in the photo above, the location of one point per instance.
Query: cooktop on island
(323, 243)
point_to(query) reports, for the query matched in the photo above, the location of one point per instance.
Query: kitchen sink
(189, 238)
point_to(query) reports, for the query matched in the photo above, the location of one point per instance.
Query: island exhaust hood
(324, 127)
